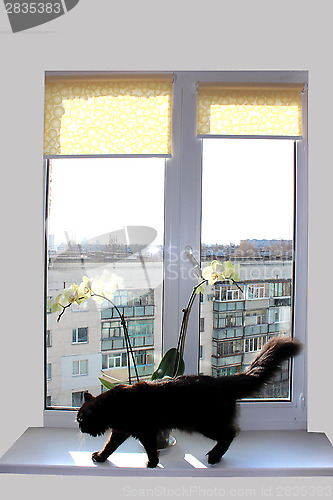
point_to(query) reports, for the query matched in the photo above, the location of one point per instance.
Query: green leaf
(167, 365)
(106, 383)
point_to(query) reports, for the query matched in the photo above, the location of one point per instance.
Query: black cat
(192, 403)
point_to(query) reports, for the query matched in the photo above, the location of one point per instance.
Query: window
(79, 335)
(258, 234)
(109, 249)
(253, 344)
(114, 360)
(144, 357)
(255, 198)
(256, 317)
(48, 338)
(78, 399)
(201, 352)
(80, 367)
(256, 291)
(229, 347)
(227, 293)
(48, 371)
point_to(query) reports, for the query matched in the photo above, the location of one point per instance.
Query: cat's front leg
(115, 440)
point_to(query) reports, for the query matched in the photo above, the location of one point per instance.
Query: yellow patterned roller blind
(234, 109)
(107, 116)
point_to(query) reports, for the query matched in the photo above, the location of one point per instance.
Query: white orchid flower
(231, 272)
(214, 272)
(71, 295)
(54, 304)
(101, 291)
(105, 287)
(84, 288)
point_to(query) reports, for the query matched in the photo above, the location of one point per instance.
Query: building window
(117, 360)
(80, 335)
(144, 357)
(227, 293)
(48, 371)
(281, 289)
(256, 317)
(228, 320)
(229, 347)
(256, 291)
(48, 338)
(78, 399)
(80, 367)
(253, 344)
(202, 324)
(226, 371)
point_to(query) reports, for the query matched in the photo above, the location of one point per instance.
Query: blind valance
(107, 116)
(249, 109)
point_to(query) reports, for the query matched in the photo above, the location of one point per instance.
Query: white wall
(149, 35)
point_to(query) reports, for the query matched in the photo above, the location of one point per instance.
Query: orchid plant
(98, 291)
(172, 364)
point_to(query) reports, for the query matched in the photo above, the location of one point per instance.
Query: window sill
(46, 450)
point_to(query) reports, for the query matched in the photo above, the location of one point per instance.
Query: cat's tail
(261, 370)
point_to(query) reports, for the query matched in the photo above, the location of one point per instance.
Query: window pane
(82, 334)
(105, 221)
(248, 218)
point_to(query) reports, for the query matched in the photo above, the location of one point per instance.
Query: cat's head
(89, 417)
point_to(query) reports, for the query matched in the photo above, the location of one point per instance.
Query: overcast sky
(247, 193)
(247, 190)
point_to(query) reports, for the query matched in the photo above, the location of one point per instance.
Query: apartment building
(89, 338)
(235, 322)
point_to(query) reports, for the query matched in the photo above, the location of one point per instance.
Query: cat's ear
(88, 396)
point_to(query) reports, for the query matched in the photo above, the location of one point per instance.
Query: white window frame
(80, 374)
(182, 228)
(77, 341)
(113, 357)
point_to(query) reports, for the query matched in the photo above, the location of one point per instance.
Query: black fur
(192, 403)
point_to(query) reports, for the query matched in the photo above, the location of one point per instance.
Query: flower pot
(165, 440)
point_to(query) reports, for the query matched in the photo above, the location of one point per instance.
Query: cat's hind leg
(223, 442)
(115, 440)
(148, 440)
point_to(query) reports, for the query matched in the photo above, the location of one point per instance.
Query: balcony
(222, 361)
(280, 301)
(129, 312)
(113, 343)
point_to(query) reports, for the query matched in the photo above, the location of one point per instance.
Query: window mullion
(182, 228)
(190, 211)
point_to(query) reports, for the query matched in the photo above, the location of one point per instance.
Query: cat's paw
(151, 464)
(213, 458)
(97, 457)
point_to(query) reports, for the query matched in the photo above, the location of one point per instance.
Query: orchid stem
(183, 328)
(127, 339)
(129, 349)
